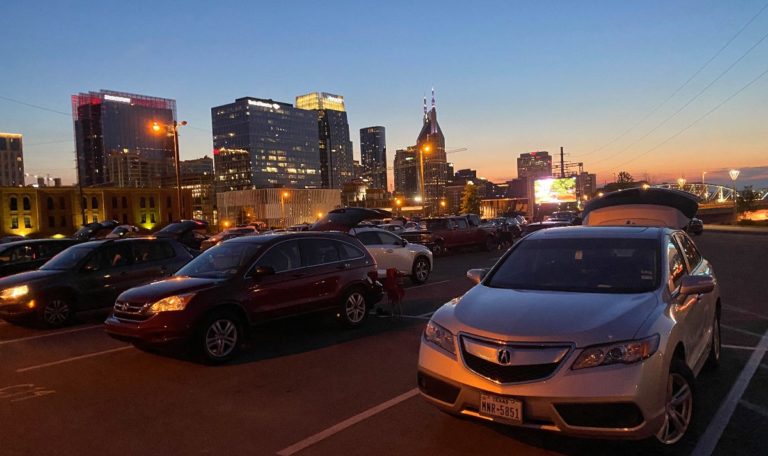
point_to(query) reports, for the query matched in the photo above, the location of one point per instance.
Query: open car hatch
(642, 207)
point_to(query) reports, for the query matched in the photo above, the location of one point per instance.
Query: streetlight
(442, 205)
(734, 174)
(681, 182)
(283, 196)
(398, 203)
(424, 149)
(173, 130)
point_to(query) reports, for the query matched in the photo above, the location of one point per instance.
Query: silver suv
(591, 331)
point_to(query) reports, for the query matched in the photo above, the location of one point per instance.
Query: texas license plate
(501, 407)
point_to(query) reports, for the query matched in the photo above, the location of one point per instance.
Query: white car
(392, 251)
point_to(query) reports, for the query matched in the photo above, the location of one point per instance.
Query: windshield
(220, 262)
(606, 265)
(69, 258)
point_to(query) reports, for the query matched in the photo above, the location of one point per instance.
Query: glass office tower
(114, 141)
(279, 140)
(373, 155)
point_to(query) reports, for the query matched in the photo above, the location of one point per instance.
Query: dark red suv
(216, 297)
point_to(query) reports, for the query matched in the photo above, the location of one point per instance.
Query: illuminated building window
(152, 217)
(14, 223)
(27, 222)
(143, 218)
(95, 218)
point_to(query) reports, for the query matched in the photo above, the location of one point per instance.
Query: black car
(29, 254)
(191, 233)
(213, 300)
(87, 276)
(95, 230)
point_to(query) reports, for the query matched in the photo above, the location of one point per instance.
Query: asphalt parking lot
(307, 387)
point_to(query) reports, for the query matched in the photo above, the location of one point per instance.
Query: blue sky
(510, 76)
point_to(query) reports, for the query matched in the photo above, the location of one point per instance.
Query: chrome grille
(131, 310)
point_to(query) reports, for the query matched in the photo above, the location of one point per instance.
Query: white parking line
(50, 334)
(426, 285)
(322, 435)
(739, 347)
(739, 330)
(74, 358)
(736, 309)
(711, 436)
(754, 407)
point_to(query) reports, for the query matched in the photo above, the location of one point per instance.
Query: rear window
(594, 265)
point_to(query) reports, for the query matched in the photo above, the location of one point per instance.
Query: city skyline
(600, 80)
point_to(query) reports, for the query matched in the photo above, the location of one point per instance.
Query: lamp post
(734, 174)
(424, 149)
(173, 130)
(442, 206)
(283, 196)
(681, 182)
(398, 203)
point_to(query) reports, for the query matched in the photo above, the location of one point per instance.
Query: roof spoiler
(643, 207)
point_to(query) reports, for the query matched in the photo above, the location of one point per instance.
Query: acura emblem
(505, 356)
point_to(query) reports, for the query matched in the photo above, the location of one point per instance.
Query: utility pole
(562, 162)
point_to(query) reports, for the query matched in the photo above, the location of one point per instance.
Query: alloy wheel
(221, 338)
(421, 270)
(56, 312)
(678, 409)
(355, 307)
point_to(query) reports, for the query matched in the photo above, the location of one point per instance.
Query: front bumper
(618, 401)
(160, 329)
(17, 309)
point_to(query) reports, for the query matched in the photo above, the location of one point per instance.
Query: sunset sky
(623, 86)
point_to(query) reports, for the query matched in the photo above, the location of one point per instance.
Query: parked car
(95, 230)
(393, 227)
(344, 218)
(594, 331)
(391, 251)
(191, 233)
(227, 234)
(533, 227)
(87, 276)
(29, 254)
(695, 226)
(446, 233)
(213, 300)
(122, 231)
(571, 217)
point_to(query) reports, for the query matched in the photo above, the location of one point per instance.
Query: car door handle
(299, 274)
(389, 250)
(344, 266)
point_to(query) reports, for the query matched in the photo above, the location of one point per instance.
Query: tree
(470, 201)
(625, 178)
(746, 200)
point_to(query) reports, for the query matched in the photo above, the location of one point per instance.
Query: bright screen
(555, 190)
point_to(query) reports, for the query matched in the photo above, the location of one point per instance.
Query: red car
(213, 300)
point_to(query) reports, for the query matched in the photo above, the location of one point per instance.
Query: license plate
(501, 407)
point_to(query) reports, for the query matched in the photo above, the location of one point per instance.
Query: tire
(420, 270)
(353, 309)
(438, 249)
(715, 346)
(55, 311)
(679, 404)
(219, 337)
(490, 244)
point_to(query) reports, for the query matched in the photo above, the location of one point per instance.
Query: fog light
(31, 304)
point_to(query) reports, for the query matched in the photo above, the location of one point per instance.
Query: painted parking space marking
(711, 436)
(739, 330)
(322, 435)
(747, 312)
(50, 334)
(739, 347)
(74, 358)
(759, 409)
(426, 285)
(23, 392)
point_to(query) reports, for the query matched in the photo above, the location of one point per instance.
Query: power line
(696, 73)
(743, 88)
(35, 106)
(691, 100)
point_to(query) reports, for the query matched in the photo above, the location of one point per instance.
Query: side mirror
(261, 271)
(696, 284)
(404, 242)
(476, 275)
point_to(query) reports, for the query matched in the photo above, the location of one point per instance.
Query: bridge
(716, 202)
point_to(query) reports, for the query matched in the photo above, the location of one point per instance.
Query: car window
(690, 251)
(369, 238)
(281, 257)
(49, 249)
(318, 251)
(349, 252)
(390, 239)
(461, 224)
(437, 225)
(148, 251)
(21, 254)
(590, 265)
(69, 258)
(220, 262)
(111, 256)
(676, 265)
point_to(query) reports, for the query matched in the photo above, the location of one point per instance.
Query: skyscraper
(407, 172)
(373, 155)
(11, 160)
(114, 142)
(335, 147)
(264, 143)
(431, 144)
(534, 165)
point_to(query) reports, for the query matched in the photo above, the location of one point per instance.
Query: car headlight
(171, 303)
(10, 294)
(439, 336)
(624, 352)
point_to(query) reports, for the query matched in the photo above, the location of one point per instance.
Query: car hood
(548, 316)
(167, 287)
(346, 218)
(29, 277)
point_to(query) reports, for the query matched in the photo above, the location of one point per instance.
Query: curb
(736, 229)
